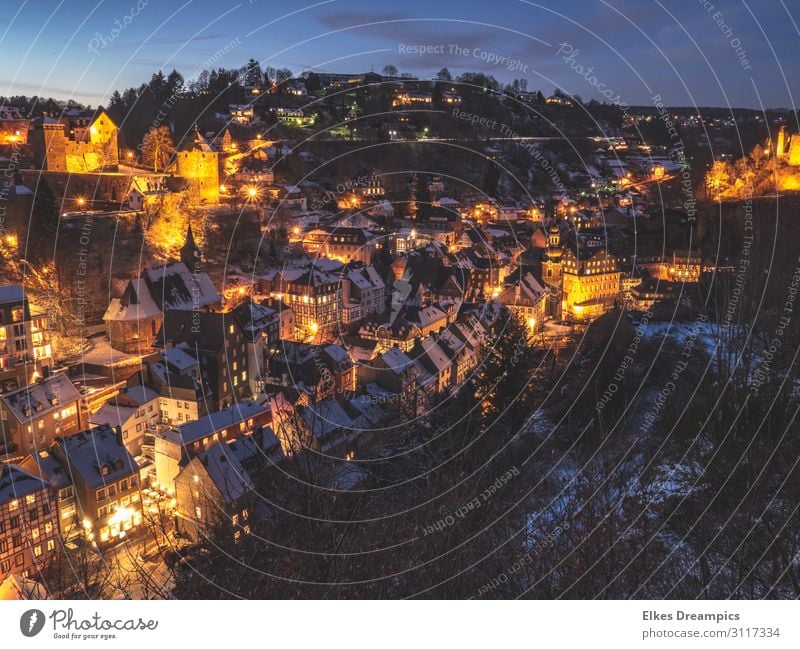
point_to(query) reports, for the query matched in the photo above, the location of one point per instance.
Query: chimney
(118, 434)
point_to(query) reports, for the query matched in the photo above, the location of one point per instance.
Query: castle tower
(794, 151)
(780, 150)
(190, 253)
(54, 146)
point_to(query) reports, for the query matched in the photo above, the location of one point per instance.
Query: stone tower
(794, 151)
(54, 145)
(780, 150)
(201, 171)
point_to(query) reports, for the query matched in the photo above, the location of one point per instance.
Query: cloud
(21, 87)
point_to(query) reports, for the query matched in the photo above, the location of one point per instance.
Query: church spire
(190, 253)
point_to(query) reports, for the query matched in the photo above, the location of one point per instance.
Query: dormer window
(105, 469)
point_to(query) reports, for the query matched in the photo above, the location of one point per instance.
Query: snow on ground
(100, 352)
(708, 334)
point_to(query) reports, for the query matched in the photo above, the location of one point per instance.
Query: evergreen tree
(491, 179)
(422, 197)
(45, 217)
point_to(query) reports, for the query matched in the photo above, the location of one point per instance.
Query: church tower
(190, 253)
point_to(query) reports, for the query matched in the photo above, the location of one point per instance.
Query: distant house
(106, 481)
(241, 113)
(395, 372)
(144, 192)
(335, 425)
(14, 125)
(34, 415)
(364, 293)
(527, 297)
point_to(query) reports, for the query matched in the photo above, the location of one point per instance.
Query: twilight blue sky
(638, 48)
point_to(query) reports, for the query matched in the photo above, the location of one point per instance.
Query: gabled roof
(89, 451)
(135, 304)
(15, 483)
(41, 398)
(227, 473)
(172, 286)
(112, 415)
(195, 430)
(397, 360)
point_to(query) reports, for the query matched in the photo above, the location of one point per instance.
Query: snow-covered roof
(235, 414)
(396, 360)
(227, 473)
(41, 398)
(140, 394)
(135, 304)
(15, 483)
(174, 287)
(112, 414)
(90, 451)
(435, 353)
(178, 358)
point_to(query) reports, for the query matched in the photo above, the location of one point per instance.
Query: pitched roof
(41, 398)
(227, 473)
(173, 286)
(195, 430)
(92, 450)
(15, 482)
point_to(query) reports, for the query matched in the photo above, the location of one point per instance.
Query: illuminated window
(198, 513)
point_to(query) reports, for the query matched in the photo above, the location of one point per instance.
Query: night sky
(638, 48)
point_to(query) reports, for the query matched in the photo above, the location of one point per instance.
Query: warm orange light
(81, 201)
